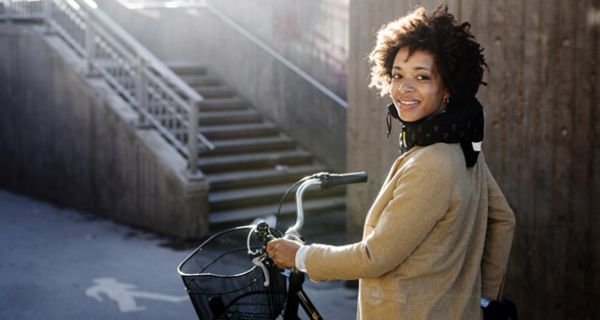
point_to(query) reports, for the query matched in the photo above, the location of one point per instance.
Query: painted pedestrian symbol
(125, 295)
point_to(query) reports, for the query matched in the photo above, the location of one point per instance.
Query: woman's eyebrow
(417, 68)
(422, 68)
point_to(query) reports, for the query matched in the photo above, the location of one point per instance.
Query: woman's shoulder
(438, 152)
(438, 157)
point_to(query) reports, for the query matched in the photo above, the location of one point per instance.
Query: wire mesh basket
(223, 283)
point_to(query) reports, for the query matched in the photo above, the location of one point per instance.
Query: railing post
(193, 137)
(141, 85)
(7, 7)
(90, 44)
(48, 15)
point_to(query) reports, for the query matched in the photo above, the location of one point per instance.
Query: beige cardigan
(435, 240)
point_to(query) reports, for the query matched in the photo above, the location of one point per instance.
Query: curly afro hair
(457, 55)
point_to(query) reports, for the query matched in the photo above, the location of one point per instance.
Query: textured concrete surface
(312, 34)
(68, 139)
(51, 256)
(542, 138)
(197, 36)
(60, 263)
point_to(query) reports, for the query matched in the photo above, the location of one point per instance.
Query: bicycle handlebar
(329, 180)
(325, 180)
(263, 231)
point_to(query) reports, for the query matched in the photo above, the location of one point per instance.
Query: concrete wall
(197, 36)
(542, 138)
(68, 139)
(311, 33)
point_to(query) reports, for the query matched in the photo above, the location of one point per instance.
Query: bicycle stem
(294, 231)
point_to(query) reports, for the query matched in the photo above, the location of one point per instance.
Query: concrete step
(237, 146)
(228, 117)
(263, 195)
(253, 164)
(239, 130)
(259, 177)
(253, 161)
(200, 80)
(246, 215)
(224, 104)
(219, 91)
(319, 227)
(186, 68)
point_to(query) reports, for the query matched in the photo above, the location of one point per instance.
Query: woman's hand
(283, 252)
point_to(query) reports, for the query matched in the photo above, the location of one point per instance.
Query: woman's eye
(396, 76)
(424, 78)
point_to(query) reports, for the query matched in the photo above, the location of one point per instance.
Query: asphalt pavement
(58, 263)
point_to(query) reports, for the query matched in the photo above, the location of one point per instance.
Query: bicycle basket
(223, 283)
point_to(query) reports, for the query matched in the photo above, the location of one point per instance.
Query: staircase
(253, 163)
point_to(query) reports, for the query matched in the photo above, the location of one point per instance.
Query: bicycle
(227, 287)
(262, 291)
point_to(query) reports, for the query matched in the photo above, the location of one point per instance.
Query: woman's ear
(446, 96)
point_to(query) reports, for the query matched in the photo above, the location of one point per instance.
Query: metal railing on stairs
(205, 4)
(163, 101)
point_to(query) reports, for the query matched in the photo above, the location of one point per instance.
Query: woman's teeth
(408, 102)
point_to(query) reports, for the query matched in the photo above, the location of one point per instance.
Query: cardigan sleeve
(498, 240)
(421, 198)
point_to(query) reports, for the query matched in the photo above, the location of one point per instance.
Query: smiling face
(416, 90)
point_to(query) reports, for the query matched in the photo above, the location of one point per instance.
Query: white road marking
(125, 295)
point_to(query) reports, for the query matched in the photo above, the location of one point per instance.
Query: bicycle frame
(296, 295)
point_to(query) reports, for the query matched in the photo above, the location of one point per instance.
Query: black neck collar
(459, 123)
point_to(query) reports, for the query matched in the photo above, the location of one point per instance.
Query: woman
(438, 236)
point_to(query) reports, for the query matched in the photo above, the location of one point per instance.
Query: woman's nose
(406, 86)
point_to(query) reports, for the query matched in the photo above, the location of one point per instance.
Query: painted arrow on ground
(125, 294)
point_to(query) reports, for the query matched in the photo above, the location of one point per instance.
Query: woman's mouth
(408, 104)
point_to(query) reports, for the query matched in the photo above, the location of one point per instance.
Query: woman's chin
(409, 116)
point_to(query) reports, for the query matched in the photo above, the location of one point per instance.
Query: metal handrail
(204, 4)
(19, 9)
(166, 73)
(163, 100)
(141, 51)
(314, 82)
(163, 4)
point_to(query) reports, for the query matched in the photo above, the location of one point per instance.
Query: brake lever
(260, 257)
(258, 261)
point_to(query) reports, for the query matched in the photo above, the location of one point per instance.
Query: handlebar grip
(329, 180)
